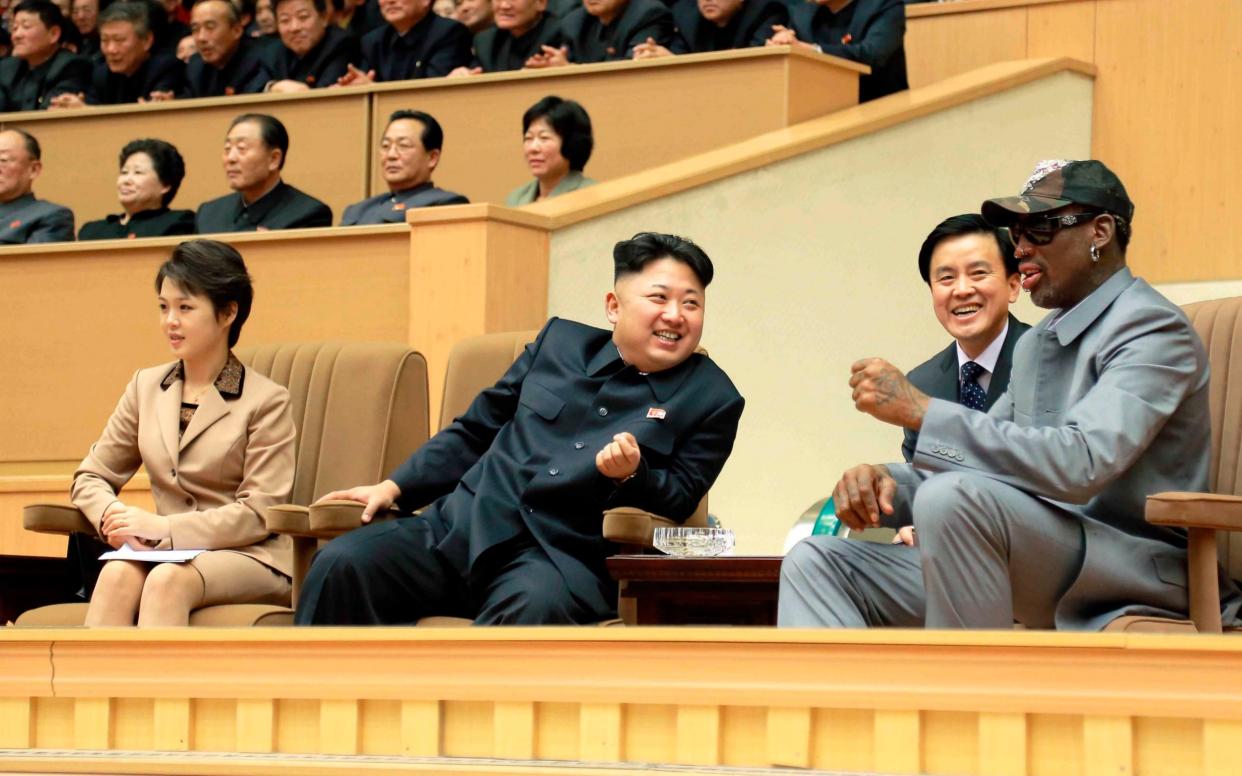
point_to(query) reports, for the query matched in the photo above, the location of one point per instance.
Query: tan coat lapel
(168, 413)
(211, 407)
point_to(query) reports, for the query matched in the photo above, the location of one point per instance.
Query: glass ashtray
(692, 542)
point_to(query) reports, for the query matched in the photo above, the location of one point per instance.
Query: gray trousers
(988, 555)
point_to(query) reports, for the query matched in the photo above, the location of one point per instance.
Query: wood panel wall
(867, 701)
(1168, 104)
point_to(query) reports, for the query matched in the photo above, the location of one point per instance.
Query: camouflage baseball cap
(1056, 183)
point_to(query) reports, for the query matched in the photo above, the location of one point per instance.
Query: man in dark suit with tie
(585, 420)
(414, 43)
(408, 155)
(23, 217)
(973, 276)
(254, 154)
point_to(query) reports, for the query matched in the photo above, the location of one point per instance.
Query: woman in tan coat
(217, 441)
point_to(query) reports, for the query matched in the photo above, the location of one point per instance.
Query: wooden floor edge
(287, 764)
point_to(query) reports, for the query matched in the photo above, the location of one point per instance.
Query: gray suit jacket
(389, 208)
(527, 192)
(1103, 409)
(31, 220)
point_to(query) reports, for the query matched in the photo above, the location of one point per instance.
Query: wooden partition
(644, 114)
(595, 701)
(329, 156)
(1167, 105)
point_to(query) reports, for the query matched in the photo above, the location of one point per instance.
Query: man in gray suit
(1033, 512)
(23, 217)
(408, 155)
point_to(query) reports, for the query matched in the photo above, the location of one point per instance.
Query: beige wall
(816, 267)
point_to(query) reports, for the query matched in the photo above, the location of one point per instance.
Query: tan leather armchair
(1212, 520)
(359, 408)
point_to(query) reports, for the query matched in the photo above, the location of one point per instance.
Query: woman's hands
(136, 527)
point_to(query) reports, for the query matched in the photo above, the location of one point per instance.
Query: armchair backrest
(359, 407)
(1219, 324)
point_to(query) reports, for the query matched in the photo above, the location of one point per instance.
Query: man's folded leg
(827, 581)
(387, 573)
(524, 587)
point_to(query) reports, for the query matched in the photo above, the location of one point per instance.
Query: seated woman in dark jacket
(314, 52)
(151, 173)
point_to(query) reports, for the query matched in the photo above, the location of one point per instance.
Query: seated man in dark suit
(23, 218)
(522, 28)
(585, 420)
(254, 154)
(872, 32)
(972, 272)
(718, 25)
(39, 68)
(408, 155)
(315, 52)
(131, 71)
(608, 30)
(415, 43)
(228, 61)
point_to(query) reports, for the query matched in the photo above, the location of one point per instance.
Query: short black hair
(569, 120)
(165, 158)
(48, 12)
(320, 5)
(136, 13)
(432, 136)
(215, 270)
(632, 255)
(272, 132)
(956, 226)
(33, 149)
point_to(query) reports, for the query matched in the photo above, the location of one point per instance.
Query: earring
(1095, 253)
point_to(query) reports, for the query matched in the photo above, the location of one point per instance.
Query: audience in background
(169, 27)
(264, 18)
(475, 14)
(357, 17)
(186, 49)
(408, 155)
(445, 8)
(85, 17)
(522, 29)
(23, 217)
(228, 456)
(227, 62)
(717, 25)
(414, 43)
(607, 30)
(40, 68)
(316, 53)
(557, 143)
(255, 150)
(151, 172)
(868, 31)
(131, 71)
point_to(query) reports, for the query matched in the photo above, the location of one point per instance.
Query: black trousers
(391, 573)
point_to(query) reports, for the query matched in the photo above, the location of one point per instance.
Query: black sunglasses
(1041, 230)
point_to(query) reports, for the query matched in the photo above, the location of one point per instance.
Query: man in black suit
(872, 32)
(23, 217)
(408, 155)
(522, 28)
(131, 70)
(254, 154)
(972, 272)
(39, 68)
(607, 31)
(585, 420)
(228, 61)
(415, 43)
(719, 25)
(315, 52)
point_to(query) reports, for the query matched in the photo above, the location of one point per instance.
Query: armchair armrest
(56, 519)
(1195, 510)
(324, 520)
(627, 525)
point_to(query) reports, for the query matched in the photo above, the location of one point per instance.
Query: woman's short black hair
(215, 270)
(630, 256)
(165, 158)
(569, 120)
(967, 223)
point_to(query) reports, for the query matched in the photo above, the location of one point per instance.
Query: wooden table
(665, 590)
